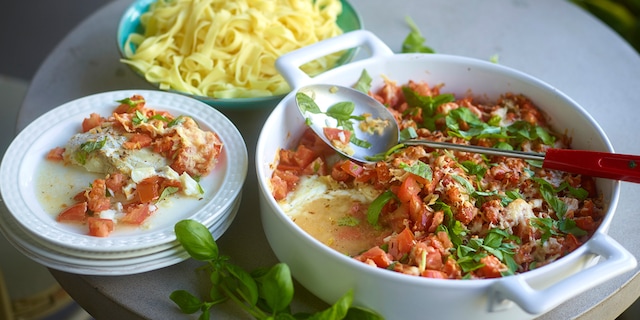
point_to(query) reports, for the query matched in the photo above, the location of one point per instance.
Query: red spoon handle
(596, 164)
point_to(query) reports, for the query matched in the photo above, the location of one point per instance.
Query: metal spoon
(596, 164)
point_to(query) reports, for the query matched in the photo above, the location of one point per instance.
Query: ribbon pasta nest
(227, 49)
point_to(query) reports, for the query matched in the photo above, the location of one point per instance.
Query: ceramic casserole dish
(329, 274)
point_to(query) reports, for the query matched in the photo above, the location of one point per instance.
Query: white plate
(217, 229)
(19, 171)
(50, 257)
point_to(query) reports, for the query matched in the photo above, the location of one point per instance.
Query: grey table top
(548, 39)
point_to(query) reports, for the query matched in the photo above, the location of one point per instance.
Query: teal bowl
(348, 20)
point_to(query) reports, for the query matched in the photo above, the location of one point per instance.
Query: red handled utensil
(614, 166)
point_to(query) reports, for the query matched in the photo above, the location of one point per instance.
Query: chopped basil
(364, 82)
(139, 118)
(414, 42)
(348, 221)
(131, 103)
(86, 148)
(375, 208)
(178, 120)
(419, 168)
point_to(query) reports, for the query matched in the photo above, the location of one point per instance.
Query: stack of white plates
(33, 230)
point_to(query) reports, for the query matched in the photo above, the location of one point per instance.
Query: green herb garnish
(86, 148)
(265, 293)
(375, 208)
(414, 42)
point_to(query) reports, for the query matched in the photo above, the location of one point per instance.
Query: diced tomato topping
(94, 120)
(149, 189)
(435, 274)
(408, 189)
(352, 168)
(401, 243)
(115, 182)
(376, 255)
(136, 214)
(138, 141)
(55, 154)
(126, 108)
(492, 267)
(317, 166)
(74, 213)
(97, 196)
(100, 227)
(336, 134)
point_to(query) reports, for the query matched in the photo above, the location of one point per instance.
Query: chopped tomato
(279, 187)
(377, 255)
(94, 120)
(352, 168)
(126, 108)
(408, 189)
(317, 166)
(303, 156)
(55, 154)
(97, 196)
(115, 182)
(401, 244)
(138, 141)
(100, 227)
(74, 213)
(339, 135)
(571, 242)
(282, 182)
(492, 267)
(136, 214)
(149, 189)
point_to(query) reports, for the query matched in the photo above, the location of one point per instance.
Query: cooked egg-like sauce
(333, 214)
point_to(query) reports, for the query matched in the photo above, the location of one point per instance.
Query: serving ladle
(324, 105)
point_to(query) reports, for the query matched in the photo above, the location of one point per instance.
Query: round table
(552, 40)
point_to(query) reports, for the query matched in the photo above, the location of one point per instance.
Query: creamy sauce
(336, 217)
(57, 184)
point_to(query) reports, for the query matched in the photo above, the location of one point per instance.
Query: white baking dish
(329, 274)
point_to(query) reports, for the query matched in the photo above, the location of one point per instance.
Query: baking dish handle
(289, 64)
(618, 260)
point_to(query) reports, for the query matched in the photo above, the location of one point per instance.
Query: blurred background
(29, 30)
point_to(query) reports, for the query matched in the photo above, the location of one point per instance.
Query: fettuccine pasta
(227, 49)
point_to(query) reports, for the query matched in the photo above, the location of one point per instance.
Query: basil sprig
(265, 293)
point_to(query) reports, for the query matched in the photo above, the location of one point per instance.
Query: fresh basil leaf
(474, 168)
(187, 302)
(364, 82)
(375, 208)
(276, 287)
(419, 168)
(360, 313)
(408, 133)
(338, 310)
(86, 148)
(307, 104)
(196, 240)
(465, 183)
(341, 110)
(176, 121)
(129, 102)
(139, 118)
(570, 226)
(241, 283)
(414, 42)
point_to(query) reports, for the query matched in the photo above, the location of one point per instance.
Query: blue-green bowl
(348, 20)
